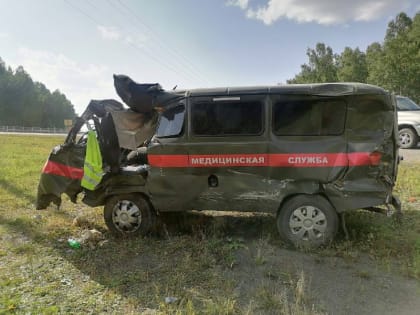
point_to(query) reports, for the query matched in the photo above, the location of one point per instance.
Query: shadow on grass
(217, 224)
(17, 192)
(189, 256)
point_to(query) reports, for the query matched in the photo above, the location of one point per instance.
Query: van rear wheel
(129, 214)
(307, 221)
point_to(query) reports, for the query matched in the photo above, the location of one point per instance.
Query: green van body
(255, 148)
(257, 172)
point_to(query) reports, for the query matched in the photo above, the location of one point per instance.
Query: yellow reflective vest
(92, 170)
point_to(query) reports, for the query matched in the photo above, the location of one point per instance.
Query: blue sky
(76, 45)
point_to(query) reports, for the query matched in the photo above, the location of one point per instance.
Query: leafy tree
(352, 66)
(393, 64)
(321, 67)
(374, 60)
(396, 64)
(398, 27)
(414, 48)
(398, 56)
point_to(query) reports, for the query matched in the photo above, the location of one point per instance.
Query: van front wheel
(408, 138)
(128, 214)
(307, 221)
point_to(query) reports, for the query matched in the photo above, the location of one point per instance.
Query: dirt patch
(335, 286)
(410, 155)
(354, 284)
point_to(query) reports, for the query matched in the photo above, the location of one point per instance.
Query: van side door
(168, 178)
(228, 150)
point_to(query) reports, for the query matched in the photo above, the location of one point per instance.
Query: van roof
(326, 89)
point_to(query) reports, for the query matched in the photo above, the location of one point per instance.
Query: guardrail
(32, 129)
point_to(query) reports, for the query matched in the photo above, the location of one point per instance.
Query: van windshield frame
(171, 122)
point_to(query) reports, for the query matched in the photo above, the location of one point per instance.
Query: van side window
(171, 122)
(227, 118)
(310, 117)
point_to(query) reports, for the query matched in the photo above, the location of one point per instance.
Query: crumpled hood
(117, 128)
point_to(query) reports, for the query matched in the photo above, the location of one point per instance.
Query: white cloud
(326, 12)
(139, 40)
(79, 82)
(4, 35)
(109, 32)
(114, 34)
(243, 4)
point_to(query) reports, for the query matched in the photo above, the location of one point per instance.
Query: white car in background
(408, 122)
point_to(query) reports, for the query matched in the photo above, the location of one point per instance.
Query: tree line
(24, 102)
(393, 64)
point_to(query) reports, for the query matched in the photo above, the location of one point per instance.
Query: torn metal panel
(142, 98)
(134, 128)
(62, 173)
(371, 128)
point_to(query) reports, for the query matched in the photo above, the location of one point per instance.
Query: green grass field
(200, 264)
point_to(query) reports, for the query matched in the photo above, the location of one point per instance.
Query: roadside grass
(393, 243)
(221, 266)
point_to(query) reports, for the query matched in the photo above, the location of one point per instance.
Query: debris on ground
(170, 299)
(81, 221)
(92, 238)
(73, 243)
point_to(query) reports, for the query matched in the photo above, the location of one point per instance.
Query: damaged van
(306, 153)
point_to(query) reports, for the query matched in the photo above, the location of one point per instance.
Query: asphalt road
(410, 155)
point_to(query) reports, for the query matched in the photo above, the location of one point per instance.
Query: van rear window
(309, 117)
(227, 118)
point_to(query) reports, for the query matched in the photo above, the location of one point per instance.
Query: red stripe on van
(168, 160)
(273, 160)
(59, 169)
(308, 160)
(364, 158)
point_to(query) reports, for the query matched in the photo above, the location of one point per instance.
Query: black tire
(307, 221)
(129, 215)
(407, 138)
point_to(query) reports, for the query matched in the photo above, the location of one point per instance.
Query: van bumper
(396, 203)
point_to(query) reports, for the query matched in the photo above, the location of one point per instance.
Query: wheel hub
(405, 138)
(126, 216)
(308, 223)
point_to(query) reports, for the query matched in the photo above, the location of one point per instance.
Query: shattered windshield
(171, 122)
